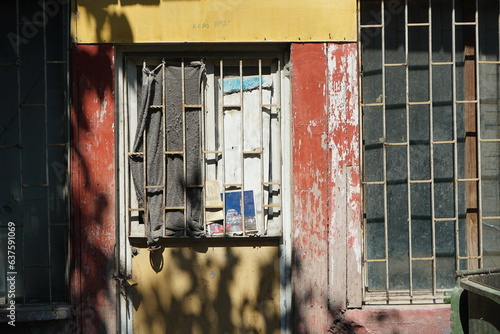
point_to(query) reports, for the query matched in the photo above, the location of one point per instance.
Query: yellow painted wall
(151, 21)
(205, 289)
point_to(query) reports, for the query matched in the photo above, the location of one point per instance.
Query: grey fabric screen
(168, 139)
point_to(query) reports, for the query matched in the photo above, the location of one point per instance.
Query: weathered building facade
(222, 166)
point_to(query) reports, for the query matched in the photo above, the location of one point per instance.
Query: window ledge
(401, 307)
(39, 312)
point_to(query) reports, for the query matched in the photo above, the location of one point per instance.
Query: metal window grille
(430, 83)
(229, 177)
(34, 150)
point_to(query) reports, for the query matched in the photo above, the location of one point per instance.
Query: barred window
(34, 153)
(430, 109)
(202, 143)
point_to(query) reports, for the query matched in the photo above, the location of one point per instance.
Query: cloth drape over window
(172, 151)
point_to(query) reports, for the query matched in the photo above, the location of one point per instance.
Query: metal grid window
(431, 143)
(34, 152)
(217, 126)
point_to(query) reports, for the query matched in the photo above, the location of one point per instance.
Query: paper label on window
(214, 207)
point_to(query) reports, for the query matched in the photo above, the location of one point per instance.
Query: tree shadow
(112, 26)
(216, 286)
(91, 191)
(195, 286)
(93, 241)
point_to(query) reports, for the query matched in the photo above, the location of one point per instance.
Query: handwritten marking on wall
(211, 24)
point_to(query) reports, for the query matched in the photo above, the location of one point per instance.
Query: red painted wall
(345, 236)
(93, 290)
(310, 188)
(326, 189)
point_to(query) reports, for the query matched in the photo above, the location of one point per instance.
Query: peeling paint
(345, 227)
(102, 111)
(310, 194)
(324, 141)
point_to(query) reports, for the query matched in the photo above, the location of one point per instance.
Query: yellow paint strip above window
(153, 21)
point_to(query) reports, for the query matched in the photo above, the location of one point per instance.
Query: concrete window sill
(42, 312)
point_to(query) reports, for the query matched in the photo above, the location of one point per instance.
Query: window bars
(430, 144)
(214, 129)
(34, 153)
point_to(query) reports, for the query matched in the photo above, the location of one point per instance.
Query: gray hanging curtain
(150, 129)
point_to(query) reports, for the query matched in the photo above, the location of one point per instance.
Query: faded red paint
(345, 199)
(343, 104)
(93, 188)
(310, 188)
(409, 320)
(326, 180)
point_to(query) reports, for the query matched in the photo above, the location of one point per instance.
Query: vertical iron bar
(279, 157)
(66, 26)
(144, 171)
(242, 143)
(384, 132)
(126, 141)
(431, 139)
(455, 159)
(184, 150)
(408, 170)
(361, 151)
(47, 191)
(223, 140)
(19, 111)
(164, 144)
(478, 140)
(203, 156)
(261, 148)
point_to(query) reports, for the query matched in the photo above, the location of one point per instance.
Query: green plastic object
(475, 302)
